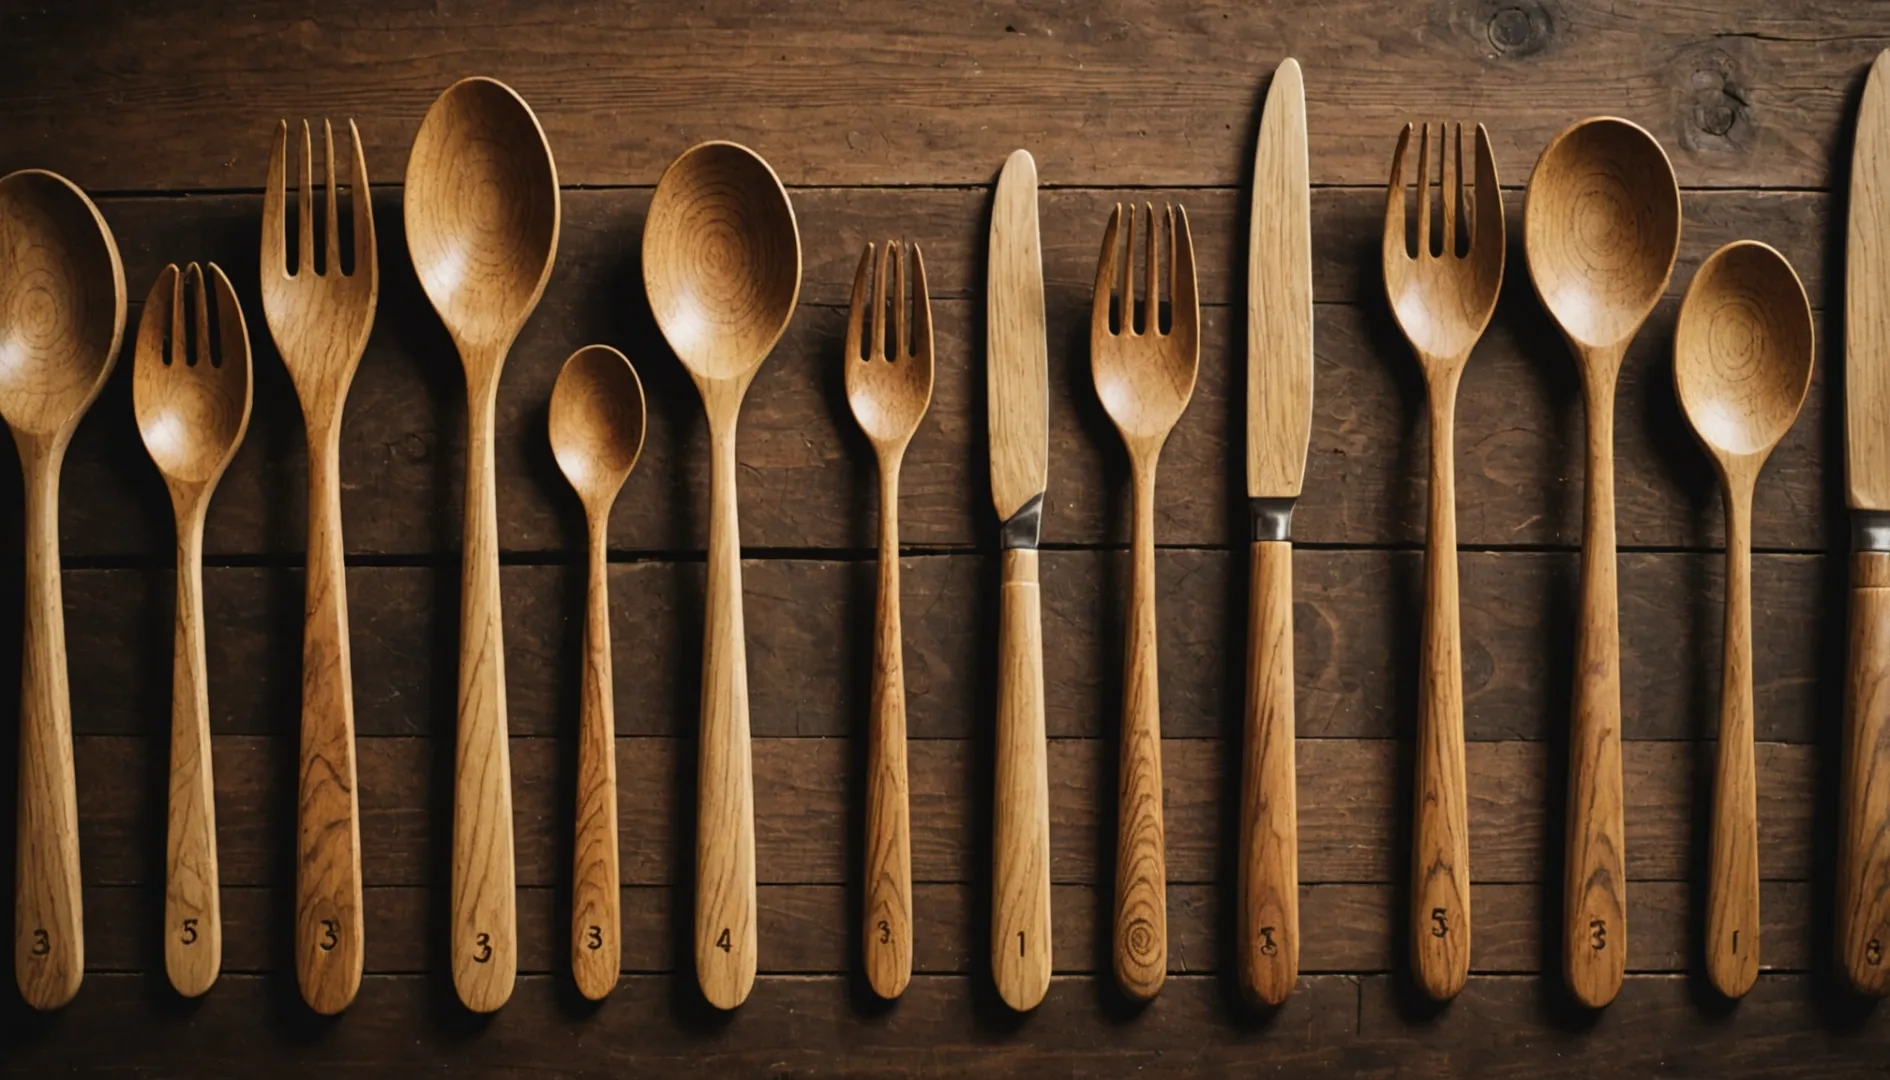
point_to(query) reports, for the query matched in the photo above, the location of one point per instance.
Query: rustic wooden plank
(1351, 809)
(1741, 94)
(810, 929)
(809, 644)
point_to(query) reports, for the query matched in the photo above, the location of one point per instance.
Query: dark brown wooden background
(891, 118)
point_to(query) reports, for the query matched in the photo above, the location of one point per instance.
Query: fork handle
(193, 924)
(328, 917)
(485, 922)
(1594, 939)
(1269, 811)
(1440, 856)
(48, 932)
(1141, 952)
(1863, 916)
(1020, 881)
(888, 930)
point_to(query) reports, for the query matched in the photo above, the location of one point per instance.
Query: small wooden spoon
(596, 434)
(722, 267)
(482, 227)
(62, 316)
(1742, 356)
(1601, 226)
(192, 408)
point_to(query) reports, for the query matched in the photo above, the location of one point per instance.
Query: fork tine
(178, 352)
(275, 231)
(362, 198)
(1168, 212)
(154, 326)
(1452, 187)
(1125, 304)
(1487, 228)
(201, 313)
(1396, 245)
(878, 349)
(232, 331)
(1151, 293)
(1424, 192)
(305, 231)
(921, 308)
(1106, 273)
(902, 332)
(856, 311)
(331, 261)
(1183, 294)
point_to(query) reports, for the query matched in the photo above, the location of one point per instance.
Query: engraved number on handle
(593, 938)
(1597, 934)
(484, 941)
(331, 934)
(1440, 916)
(1873, 952)
(885, 931)
(1735, 947)
(723, 943)
(1267, 946)
(1020, 943)
(189, 934)
(42, 943)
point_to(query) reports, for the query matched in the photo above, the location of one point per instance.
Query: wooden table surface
(891, 119)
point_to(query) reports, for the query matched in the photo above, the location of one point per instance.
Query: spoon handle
(596, 946)
(1440, 889)
(1269, 799)
(329, 937)
(725, 815)
(1141, 851)
(193, 924)
(1732, 899)
(1863, 931)
(888, 931)
(1020, 885)
(48, 934)
(485, 925)
(1594, 897)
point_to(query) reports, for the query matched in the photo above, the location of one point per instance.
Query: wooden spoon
(192, 408)
(1742, 356)
(482, 227)
(722, 267)
(62, 316)
(1601, 226)
(596, 434)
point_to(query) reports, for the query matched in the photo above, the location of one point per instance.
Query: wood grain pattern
(1017, 399)
(1866, 307)
(1267, 923)
(1280, 294)
(1743, 355)
(62, 312)
(482, 227)
(1021, 852)
(888, 365)
(1863, 872)
(1601, 229)
(192, 396)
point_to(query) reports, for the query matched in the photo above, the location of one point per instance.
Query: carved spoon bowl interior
(1743, 349)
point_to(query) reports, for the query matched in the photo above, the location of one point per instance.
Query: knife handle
(1863, 916)
(1269, 814)
(1020, 888)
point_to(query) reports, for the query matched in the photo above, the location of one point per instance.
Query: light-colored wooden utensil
(482, 217)
(722, 267)
(1017, 402)
(1144, 376)
(1742, 356)
(1601, 227)
(889, 386)
(596, 429)
(62, 309)
(1279, 433)
(1442, 291)
(192, 406)
(1863, 871)
(320, 313)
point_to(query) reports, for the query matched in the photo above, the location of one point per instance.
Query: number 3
(484, 941)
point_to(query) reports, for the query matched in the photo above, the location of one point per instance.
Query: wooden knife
(1018, 405)
(1863, 916)
(1279, 427)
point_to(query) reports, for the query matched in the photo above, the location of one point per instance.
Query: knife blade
(1279, 431)
(1018, 408)
(1863, 917)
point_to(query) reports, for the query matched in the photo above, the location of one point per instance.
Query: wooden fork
(320, 318)
(889, 386)
(1144, 376)
(1442, 300)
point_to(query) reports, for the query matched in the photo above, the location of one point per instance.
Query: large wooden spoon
(482, 227)
(1742, 354)
(62, 316)
(722, 267)
(596, 434)
(1601, 226)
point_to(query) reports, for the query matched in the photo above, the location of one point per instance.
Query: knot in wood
(1519, 29)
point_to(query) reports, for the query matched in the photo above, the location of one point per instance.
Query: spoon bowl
(597, 419)
(721, 259)
(482, 210)
(62, 302)
(1742, 351)
(1601, 228)
(191, 409)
